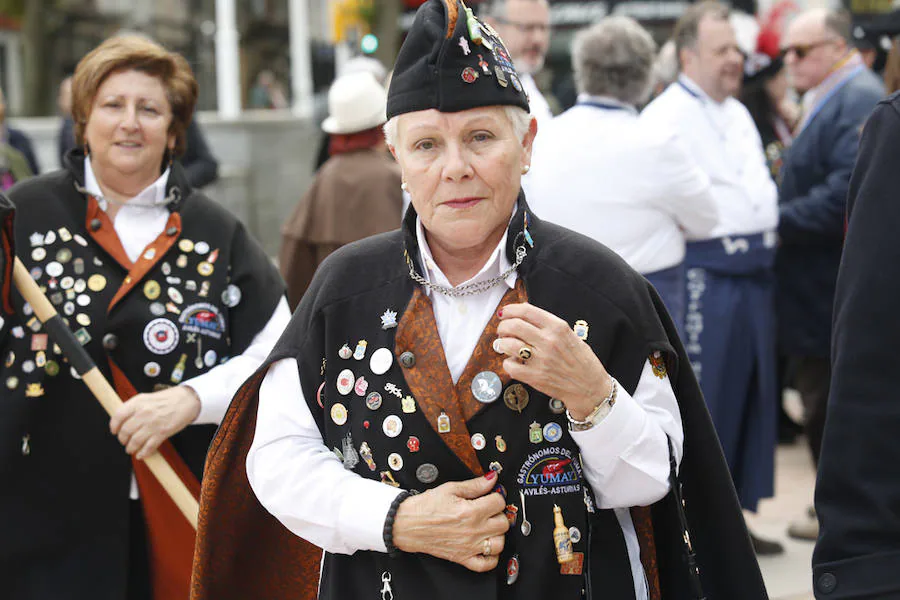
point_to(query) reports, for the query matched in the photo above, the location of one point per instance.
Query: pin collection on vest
(486, 388)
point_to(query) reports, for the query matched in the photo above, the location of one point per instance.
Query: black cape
(565, 273)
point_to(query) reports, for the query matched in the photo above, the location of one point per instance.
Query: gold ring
(525, 353)
(486, 550)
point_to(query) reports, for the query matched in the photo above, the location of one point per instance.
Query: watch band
(599, 412)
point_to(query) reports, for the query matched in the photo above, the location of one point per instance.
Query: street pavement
(789, 576)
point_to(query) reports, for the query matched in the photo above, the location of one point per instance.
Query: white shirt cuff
(211, 393)
(607, 440)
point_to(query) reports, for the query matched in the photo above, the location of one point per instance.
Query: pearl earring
(404, 187)
(525, 169)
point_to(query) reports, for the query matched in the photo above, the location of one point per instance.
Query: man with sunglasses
(524, 26)
(838, 93)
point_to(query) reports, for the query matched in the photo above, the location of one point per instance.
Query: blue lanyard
(603, 105)
(689, 90)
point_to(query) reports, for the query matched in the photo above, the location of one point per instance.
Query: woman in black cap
(480, 405)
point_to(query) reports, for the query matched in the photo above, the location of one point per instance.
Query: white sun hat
(356, 102)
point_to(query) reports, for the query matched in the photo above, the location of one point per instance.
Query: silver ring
(486, 547)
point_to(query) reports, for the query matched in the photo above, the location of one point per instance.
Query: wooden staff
(99, 386)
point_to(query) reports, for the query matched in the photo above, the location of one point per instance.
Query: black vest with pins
(196, 297)
(572, 277)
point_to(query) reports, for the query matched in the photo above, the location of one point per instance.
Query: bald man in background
(838, 93)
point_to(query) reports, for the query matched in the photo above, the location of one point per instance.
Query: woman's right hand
(452, 522)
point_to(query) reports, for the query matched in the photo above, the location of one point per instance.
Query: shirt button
(110, 341)
(461, 307)
(95, 224)
(407, 359)
(827, 583)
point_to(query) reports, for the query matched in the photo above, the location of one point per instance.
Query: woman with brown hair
(170, 297)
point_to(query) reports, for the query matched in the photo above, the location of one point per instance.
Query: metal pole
(228, 86)
(301, 66)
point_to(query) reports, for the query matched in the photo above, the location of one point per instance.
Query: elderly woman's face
(128, 126)
(462, 171)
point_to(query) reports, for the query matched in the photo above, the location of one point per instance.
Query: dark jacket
(243, 552)
(7, 254)
(812, 198)
(166, 318)
(65, 138)
(858, 487)
(18, 140)
(200, 166)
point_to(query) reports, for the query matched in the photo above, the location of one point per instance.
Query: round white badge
(175, 296)
(80, 286)
(339, 413)
(392, 426)
(151, 369)
(54, 269)
(209, 359)
(83, 300)
(381, 361)
(201, 247)
(28, 366)
(231, 297)
(50, 237)
(161, 336)
(345, 382)
(478, 441)
(395, 461)
(38, 254)
(486, 386)
(66, 283)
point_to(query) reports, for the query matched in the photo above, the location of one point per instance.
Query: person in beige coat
(355, 194)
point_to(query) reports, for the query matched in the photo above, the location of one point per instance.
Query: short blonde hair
(519, 118)
(134, 52)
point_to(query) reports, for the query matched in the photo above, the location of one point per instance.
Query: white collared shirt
(304, 485)
(632, 188)
(137, 227)
(723, 141)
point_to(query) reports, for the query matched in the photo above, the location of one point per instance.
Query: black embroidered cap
(452, 61)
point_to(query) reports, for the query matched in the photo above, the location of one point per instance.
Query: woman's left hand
(561, 365)
(147, 420)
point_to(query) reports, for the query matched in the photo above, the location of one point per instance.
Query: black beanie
(451, 61)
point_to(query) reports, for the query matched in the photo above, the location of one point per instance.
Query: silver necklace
(470, 289)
